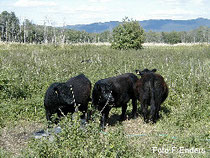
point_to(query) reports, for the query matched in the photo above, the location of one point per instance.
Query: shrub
(76, 140)
(128, 35)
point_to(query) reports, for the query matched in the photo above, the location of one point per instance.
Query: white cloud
(34, 3)
(91, 8)
(179, 9)
(79, 10)
(84, 13)
(174, 3)
(173, 14)
(97, 1)
(197, 2)
(89, 11)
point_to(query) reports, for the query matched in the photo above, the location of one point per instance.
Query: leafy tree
(9, 26)
(202, 34)
(171, 37)
(105, 36)
(151, 36)
(128, 35)
(4, 18)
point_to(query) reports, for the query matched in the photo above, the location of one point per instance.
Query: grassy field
(26, 71)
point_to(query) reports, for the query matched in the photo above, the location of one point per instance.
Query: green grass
(26, 71)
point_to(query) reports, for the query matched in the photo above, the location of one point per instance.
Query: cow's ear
(71, 88)
(138, 72)
(154, 70)
(110, 85)
(56, 90)
(98, 86)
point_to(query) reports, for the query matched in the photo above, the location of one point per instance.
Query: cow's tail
(152, 99)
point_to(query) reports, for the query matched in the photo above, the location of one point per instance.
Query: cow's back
(81, 87)
(123, 87)
(152, 83)
(125, 82)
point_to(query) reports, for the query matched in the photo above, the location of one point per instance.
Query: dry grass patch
(14, 138)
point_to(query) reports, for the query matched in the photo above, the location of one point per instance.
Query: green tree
(202, 34)
(151, 36)
(105, 36)
(171, 37)
(9, 26)
(128, 35)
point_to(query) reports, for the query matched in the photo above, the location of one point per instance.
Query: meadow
(26, 71)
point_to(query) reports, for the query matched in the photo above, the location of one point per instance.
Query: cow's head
(105, 91)
(145, 71)
(64, 94)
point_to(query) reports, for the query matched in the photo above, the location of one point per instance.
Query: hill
(165, 25)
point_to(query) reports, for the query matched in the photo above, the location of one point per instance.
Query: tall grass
(26, 71)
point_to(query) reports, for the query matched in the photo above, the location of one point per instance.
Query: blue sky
(70, 12)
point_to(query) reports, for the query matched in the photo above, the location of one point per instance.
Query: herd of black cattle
(151, 90)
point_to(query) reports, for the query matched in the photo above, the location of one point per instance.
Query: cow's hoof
(123, 118)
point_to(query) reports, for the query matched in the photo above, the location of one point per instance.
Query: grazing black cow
(61, 98)
(115, 91)
(152, 90)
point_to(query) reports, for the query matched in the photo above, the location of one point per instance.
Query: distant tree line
(199, 35)
(12, 30)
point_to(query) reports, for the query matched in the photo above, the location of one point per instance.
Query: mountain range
(165, 25)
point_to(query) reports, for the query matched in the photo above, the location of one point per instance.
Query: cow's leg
(104, 117)
(123, 116)
(83, 108)
(153, 113)
(102, 122)
(48, 116)
(144, 108)
(134, 103)
(158, 110)
(157, 116)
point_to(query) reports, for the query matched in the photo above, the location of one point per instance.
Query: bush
(76, 140)
(128, 35)
(11, 87)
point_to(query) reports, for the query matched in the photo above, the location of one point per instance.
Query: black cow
(61, 98)
(152, 90)
(115, 91)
